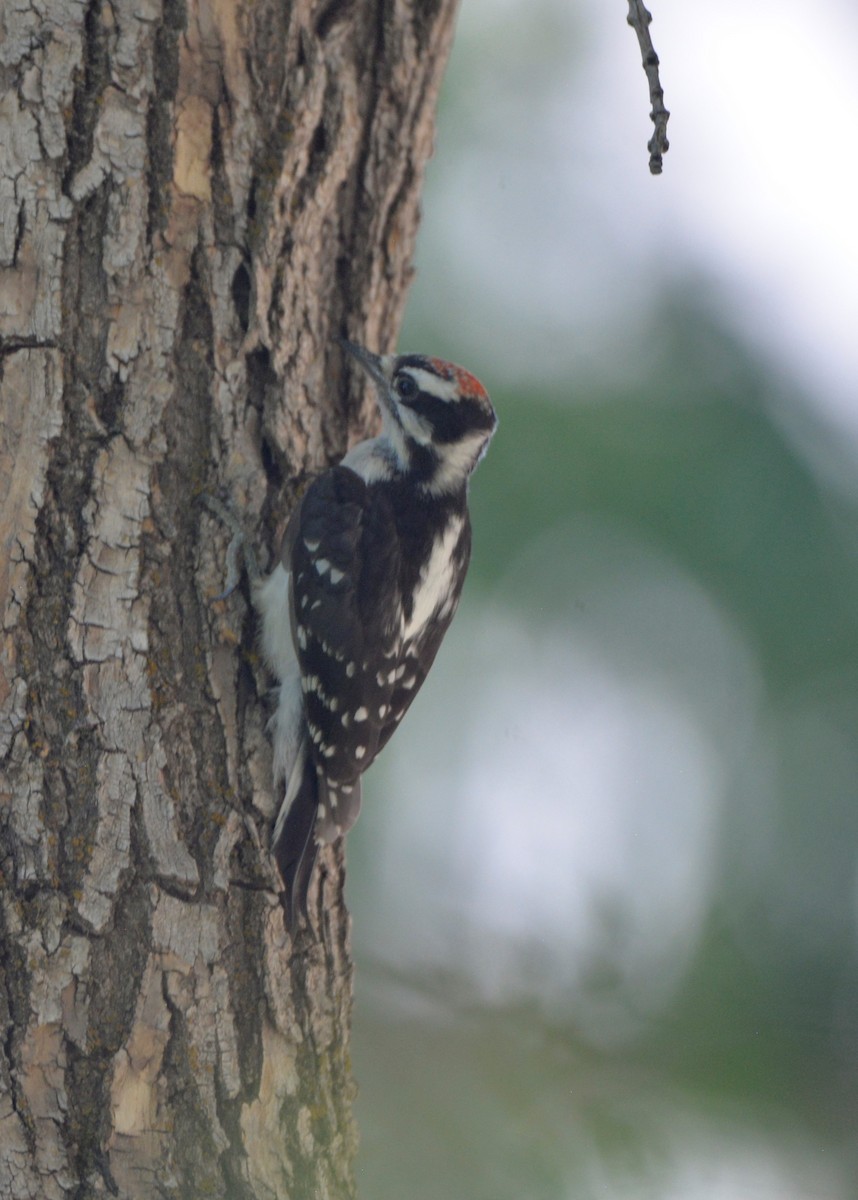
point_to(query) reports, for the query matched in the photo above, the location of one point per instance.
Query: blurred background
(605, 884)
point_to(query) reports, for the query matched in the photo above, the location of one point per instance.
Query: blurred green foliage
(693, 461)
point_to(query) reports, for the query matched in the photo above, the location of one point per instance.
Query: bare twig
(658, 145)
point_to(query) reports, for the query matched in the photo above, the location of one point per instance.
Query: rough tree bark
(196, 195)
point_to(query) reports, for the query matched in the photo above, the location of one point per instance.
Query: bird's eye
(406, 387)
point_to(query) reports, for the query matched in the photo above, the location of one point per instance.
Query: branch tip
(639, 19)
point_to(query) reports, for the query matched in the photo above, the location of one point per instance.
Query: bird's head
(437, 417)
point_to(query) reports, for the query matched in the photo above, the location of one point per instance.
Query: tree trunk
(196, 196)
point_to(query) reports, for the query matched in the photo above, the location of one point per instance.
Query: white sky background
(544, 236)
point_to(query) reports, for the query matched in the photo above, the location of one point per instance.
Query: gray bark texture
(195, 197)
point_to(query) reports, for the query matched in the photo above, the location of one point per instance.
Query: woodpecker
(368, 578)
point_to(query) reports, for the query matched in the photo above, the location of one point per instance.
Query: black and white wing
(418, 652)
(343, 556)
(347, 616)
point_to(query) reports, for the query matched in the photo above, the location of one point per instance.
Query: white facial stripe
(458, 459)
(428, 381)
(393, 432)
(415, 426)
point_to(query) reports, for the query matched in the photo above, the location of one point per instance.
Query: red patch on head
(467, 384)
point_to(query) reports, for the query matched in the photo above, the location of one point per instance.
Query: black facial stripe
(439, 414)
(418, 361)
(450, 418)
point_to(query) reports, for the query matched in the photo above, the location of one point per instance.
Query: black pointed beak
(371, 363)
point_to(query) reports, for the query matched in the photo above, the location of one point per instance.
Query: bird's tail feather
(294, 842)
